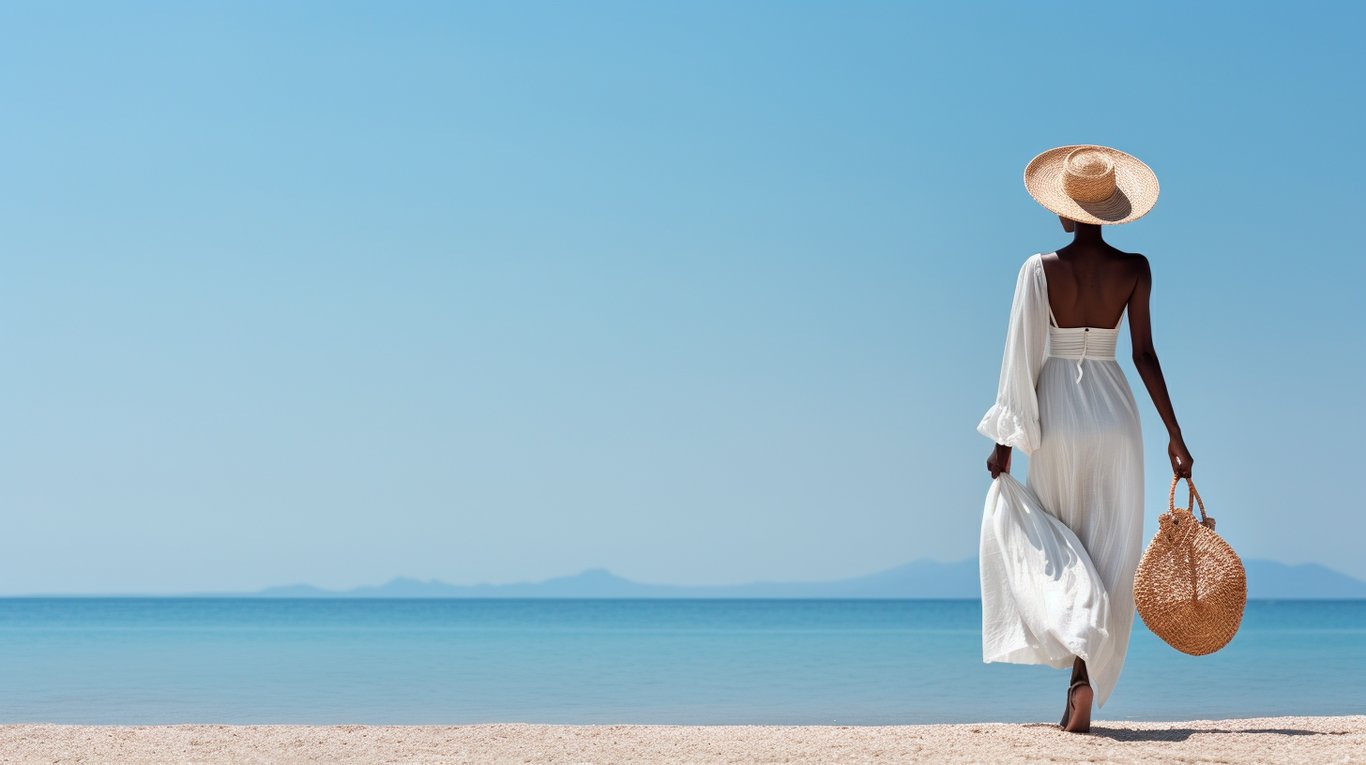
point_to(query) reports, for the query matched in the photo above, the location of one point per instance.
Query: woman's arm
(1013, 420)
(1145, 361)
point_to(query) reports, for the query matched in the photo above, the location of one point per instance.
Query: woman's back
(1091, 288)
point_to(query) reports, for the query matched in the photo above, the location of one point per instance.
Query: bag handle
(1191, 500)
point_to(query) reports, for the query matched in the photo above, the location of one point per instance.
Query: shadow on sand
(1181, 734)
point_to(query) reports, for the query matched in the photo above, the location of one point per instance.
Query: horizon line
(324, 593)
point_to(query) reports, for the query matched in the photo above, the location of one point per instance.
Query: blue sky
(698, 292)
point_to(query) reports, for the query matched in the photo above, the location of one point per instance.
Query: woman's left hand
(1182, 461)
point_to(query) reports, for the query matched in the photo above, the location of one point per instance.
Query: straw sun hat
(1092, 184)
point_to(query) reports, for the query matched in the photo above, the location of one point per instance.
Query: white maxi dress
(1065, 402)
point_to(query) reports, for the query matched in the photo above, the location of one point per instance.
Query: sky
(697, 292)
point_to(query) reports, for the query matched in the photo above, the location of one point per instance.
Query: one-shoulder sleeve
(1014, 419)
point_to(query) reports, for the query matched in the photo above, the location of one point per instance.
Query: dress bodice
(1081, 343)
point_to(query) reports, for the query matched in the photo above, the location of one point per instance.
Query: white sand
(1261, 740)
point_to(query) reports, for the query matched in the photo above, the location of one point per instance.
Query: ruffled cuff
(1005, 426)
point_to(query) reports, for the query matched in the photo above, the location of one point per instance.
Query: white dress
(1064, 401)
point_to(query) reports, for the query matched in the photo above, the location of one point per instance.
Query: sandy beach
(1247, 740)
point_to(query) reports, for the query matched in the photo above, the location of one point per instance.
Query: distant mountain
(1267, 579)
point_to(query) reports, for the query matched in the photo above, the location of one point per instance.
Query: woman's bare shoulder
(1137, 264)
(1138, 273)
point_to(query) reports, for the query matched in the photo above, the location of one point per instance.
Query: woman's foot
(1077, 718)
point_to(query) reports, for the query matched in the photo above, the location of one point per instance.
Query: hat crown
(1088, 175)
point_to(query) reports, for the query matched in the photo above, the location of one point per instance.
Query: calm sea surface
(171, 660)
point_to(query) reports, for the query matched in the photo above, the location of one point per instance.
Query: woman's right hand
(1181, 457)
(998, 461)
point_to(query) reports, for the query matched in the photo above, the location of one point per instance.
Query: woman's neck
(1087, 234)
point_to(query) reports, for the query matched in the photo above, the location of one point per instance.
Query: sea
(138, 661)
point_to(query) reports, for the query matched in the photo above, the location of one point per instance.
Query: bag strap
(1192, 498)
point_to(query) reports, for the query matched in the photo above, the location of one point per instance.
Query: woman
(1064, 401)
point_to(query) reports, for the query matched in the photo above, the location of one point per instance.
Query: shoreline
(1336, 739)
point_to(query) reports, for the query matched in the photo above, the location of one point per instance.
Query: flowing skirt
(1088, 473)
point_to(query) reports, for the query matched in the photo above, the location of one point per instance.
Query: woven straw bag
(1190, 587)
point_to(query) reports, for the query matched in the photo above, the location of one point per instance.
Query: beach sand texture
(1248, 740)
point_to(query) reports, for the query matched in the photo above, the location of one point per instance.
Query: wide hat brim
(1135, 187)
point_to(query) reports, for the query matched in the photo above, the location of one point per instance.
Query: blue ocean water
(323, 661)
